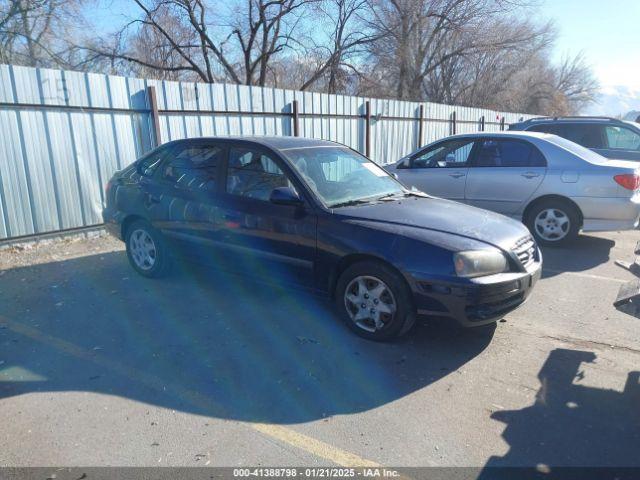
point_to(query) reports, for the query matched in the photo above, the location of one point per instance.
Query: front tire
(146, 250)
(375, 301)
(553, 222)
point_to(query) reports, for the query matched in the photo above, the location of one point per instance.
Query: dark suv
(611, 138)
(320, 214)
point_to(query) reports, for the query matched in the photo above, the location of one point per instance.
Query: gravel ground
(99, 366)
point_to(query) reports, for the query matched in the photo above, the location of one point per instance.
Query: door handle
(457, 174)
(530, 175)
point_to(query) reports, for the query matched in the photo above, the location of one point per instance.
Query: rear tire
(147, 250)
(553, 222)
(375, 301)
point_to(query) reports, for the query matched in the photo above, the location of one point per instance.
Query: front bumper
(477, 301)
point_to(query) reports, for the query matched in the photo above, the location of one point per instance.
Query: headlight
(476, 263)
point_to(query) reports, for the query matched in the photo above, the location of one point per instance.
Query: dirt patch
(53, 250)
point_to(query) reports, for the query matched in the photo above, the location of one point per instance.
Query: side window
(622, 138)
(148, 164)
(453, 154)
(508, 153)
(587, 135)
(194, 166)
(252, 174)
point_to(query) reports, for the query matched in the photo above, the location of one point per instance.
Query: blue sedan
(317, 213)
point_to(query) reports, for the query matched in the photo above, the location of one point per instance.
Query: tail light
(630, 181)
(108, 189)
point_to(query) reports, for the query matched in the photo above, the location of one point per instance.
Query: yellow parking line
(311, 445)
(278, 432)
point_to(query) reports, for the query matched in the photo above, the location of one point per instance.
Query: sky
(607, 31)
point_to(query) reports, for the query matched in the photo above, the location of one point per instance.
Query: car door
(266, 239)
(504, 174)
(440, 169)
(186, 194)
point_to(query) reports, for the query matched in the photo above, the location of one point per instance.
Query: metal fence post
(420, 125)
(295, 118)
(155, 116)
(367, 129)
(482, 123)
(453, 122)
(502, 124)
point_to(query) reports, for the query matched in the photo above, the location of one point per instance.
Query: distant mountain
(615, 101)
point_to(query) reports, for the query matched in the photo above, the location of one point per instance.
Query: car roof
(568, 119)
(504, 134)
(271, 141)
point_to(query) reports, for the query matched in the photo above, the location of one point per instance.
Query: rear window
(586, 134)
(508, 153)
(194, 166)
(547, 128)
(148, 164)
(578, 150)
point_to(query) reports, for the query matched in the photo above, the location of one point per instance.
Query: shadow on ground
(206, 343)
(571, 424)
(583, 254)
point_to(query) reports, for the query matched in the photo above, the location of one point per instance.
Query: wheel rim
(143, 249)
(370, 303)
(552, 224)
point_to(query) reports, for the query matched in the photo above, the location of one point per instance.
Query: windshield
(340, 176)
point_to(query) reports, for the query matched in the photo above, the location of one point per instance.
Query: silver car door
(504, 174)
(440, 169)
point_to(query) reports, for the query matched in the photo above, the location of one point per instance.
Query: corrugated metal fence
(63, 134)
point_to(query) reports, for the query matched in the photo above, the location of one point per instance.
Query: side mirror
(285, 196)
(450, 158)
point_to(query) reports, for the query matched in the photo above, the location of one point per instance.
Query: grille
(525, 250)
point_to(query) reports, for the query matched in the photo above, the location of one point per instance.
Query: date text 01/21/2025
(316, 472)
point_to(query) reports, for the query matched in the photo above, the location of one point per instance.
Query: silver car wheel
(143, 249)
(552, 224)
(370, 303)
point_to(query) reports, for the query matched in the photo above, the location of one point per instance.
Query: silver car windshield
(339, 176)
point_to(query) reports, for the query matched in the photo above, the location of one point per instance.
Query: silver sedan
(556, 187)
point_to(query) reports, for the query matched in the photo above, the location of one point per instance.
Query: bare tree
(479, 75)
(347, 37)
(238, 49)
(467, 52)
(35, 32)
(574, 80)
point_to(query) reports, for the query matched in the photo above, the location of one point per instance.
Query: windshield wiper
(415, 193)
(403, 194)
(350, 203)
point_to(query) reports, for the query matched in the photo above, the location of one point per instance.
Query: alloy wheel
(552, 224)
(370, 303)
(143, 249)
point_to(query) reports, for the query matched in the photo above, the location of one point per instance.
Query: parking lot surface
(99, 366)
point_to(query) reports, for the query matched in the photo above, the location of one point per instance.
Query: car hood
(441, 215)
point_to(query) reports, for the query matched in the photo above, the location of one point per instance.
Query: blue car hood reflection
(443, 216)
